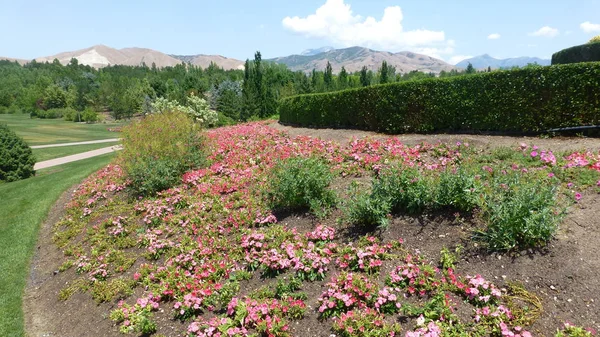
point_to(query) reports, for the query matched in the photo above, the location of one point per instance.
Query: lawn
(63, 151)
(51, 131)
(24, 206)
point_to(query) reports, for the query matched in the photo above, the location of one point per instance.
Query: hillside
(101, 56)
(484, 61)
(21, 61)
(205, 60)
(354, 58)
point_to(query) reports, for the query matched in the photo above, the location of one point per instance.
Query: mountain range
(485, 61)
(352, 59)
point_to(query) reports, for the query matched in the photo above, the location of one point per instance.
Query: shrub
(589, 52)
(89, 116)
(14, 109)
(16, 158)
(519, 213)
(54, 113)
(456, 188)
(369, 210)
(158, 149)
(196, 107)
(522, 100)
(3, 110)
(300, 183)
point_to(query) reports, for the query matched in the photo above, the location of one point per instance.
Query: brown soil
(563, 276)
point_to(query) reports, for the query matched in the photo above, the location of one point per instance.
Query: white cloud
(336, 22)
(589, 27)
(545, 31)
(457, 58)
(494, 36)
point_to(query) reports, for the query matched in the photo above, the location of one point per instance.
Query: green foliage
(54, 113)
(570, 330)
(523, 100)
(196, 107)
(55, 97)
(300, 183)
(16, 158)
(158, 149)
(369, 210)
(456, 188)
(520, 213)
(90, 116)
(589, 52)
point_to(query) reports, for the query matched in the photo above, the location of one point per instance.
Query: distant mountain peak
(355, 58)
(485, 61)
(311, 52)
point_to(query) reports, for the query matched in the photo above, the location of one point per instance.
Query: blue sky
(450, 30)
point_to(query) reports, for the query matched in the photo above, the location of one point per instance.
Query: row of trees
(127, 90)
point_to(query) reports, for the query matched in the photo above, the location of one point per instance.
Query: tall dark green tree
(365, 81)
(343, 79)
(470, 69)
(328, 77)
(383, 73)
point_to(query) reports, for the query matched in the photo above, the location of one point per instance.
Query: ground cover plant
(24, 206)
(210, 257)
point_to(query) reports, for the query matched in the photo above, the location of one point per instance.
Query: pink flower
(534, 154)
(577, 196)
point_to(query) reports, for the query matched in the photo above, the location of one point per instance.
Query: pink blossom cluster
(345, 292)
(367, 258)
(431, 330)
(480, 291)
(387, 300)
(321, 233)
(415, 276)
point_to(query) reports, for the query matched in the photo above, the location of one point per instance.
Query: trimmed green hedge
(16, 158)
(523, 100)
(589, 52)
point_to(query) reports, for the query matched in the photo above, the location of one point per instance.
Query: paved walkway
(76, 157)
(111, 140)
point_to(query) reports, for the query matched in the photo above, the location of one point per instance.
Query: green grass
(57, 152)
(50, 131)
(25, 204)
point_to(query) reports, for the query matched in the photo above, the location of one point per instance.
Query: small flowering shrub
(570, 330)
(367, 257)
(365, 323)
(300, 183)
(415, 276)
(481, 292)
(136, 318)
(346, 292)
(159, 149)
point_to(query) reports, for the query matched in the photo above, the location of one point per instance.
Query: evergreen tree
(328, 77)
(343, 79)
(365, 81)
(470, 69)
(383, 73)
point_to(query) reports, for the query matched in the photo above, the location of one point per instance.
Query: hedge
(526, 100)
(589, 52)
(16, 158)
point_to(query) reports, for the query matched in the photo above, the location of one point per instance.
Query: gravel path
(76, 157)
(111, 140)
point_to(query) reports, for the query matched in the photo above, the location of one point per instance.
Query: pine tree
(343, 79)
(470, 69)
(383, 73)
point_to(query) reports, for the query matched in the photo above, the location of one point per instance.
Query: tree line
(237, 95)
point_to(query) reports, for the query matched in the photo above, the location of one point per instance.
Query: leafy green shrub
(519, 213)
(300, 183)
(54, 113)
(16, 158)
(90, 116)
(589, 52)
(369, 210)
(196, 107)
(158, 149)
(456, 188)
(14, 109)
(406, 187)
(71, 116)
(3, 110)
(522, 100)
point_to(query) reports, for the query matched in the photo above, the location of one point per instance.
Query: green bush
(159, 149)
(522, 100)
(369, 210)
(456, 188)
(54, 113)
(589, 52)
(300, 183)
(519, 213)
(14, 109)
(3, 110)
(89, 116)
(16, 158)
